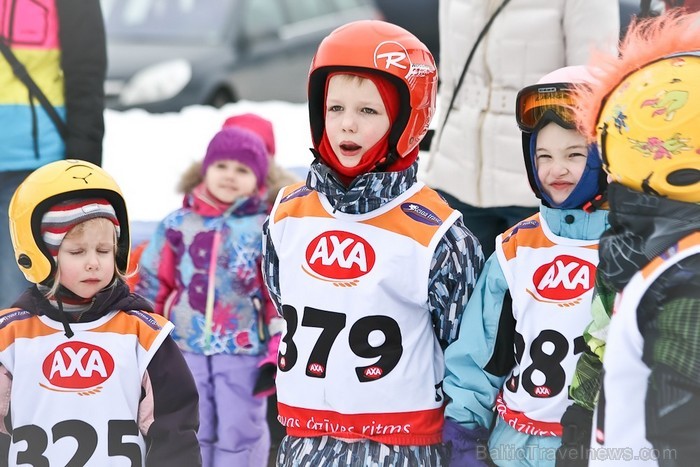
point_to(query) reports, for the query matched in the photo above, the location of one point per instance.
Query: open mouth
(349, 148)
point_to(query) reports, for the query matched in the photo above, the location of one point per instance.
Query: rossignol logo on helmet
(77, 367)
(390, 54)
(421, 214)
(339, 257)
(563, 280)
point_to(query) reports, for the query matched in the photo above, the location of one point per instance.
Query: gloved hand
(466, 448)
(577, 423)
(265, 382)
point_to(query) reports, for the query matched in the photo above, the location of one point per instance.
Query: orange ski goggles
(552, 100)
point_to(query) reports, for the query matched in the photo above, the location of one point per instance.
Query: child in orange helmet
(369, 268)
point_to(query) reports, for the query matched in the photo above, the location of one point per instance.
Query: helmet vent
(24, 261)
(683, 177)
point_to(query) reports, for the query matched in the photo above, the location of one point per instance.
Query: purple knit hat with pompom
(237, 144)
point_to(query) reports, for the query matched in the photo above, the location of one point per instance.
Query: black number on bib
(513, 382)
(332, 323)
(116, 445)
(83, 433)
(389, 351)
(545, 361)
(86, 437)
(549, 364)
(287, 360)
(37, 442)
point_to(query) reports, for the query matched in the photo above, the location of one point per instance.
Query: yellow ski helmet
(45, 187)
(644, 106)
(649, 134)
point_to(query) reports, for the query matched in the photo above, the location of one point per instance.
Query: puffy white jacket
(478, 157)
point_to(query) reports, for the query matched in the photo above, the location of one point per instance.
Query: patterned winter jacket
(201, 268)
(62, 46)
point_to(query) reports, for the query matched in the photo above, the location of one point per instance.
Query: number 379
(331, 323)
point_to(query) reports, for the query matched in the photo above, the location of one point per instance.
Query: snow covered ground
(147, 153)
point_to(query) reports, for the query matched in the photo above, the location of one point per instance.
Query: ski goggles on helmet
(545, 102)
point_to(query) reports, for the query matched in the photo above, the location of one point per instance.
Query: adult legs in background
(243, 437)
(487, 223)
(12, 281)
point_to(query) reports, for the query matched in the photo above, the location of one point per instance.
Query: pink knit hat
(240, 145)
(62, 217)
(258, 125)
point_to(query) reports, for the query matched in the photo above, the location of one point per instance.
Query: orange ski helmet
(395, 53)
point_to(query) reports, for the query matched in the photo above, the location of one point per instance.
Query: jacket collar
(366, 193)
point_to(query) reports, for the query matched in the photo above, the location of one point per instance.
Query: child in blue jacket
(522, 328)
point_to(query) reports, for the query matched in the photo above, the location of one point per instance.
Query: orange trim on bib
(520, 235)
(124, 323)
(398, 221)
(686, 242)
(22, 327)
(299, 206)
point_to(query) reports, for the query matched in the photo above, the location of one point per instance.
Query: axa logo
(77, 367)
(542, 391)
(373, 372)
(316, 369)
(565, 279)
(339, 257)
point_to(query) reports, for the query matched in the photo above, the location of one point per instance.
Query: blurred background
(168, 54)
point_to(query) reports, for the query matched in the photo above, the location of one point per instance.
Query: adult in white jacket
(476, 159)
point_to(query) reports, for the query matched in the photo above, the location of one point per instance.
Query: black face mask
(642, 226)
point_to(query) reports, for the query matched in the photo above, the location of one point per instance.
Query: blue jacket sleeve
(471, 389)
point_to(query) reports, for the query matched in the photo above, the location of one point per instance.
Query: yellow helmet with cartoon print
(45, 187)
(648, 129)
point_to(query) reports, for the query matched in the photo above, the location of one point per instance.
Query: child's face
(86, 257)
(356, 118)
(560, 158)
(229, 180)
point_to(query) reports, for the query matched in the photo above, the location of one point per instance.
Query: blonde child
(90, 376)
(370, 268)
(202, 270)
(522, 330)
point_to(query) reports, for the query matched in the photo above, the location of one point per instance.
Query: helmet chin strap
(383, 164)
(64, 318)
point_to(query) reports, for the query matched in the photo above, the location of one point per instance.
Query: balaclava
(376, 154)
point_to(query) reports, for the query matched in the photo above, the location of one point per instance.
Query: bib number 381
(331, 324)
(547, 352)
